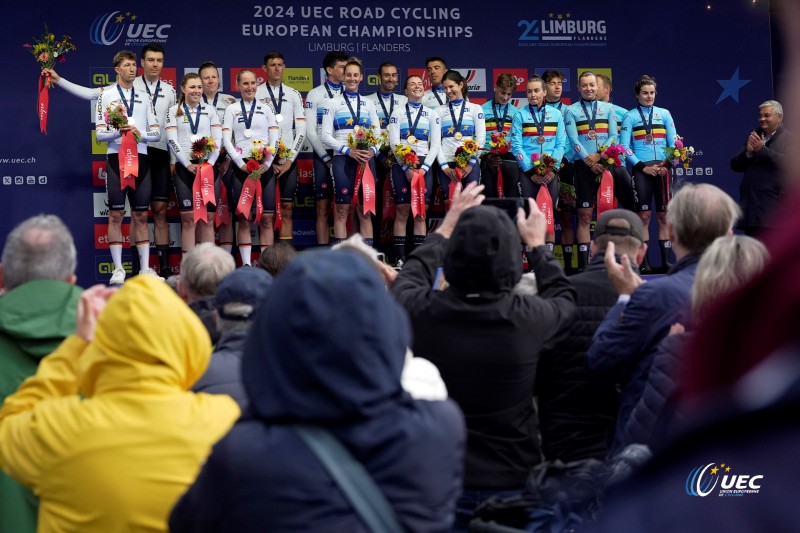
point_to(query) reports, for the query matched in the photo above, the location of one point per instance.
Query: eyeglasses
(555, 83)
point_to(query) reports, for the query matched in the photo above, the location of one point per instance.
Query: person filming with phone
(484, 338)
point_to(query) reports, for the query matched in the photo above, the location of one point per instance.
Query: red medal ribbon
(128, 161)
(389, 208)
(203, 191)
(500, 193)
(452, 188)
(605, 194)
(545, 203)
(278, 217)
(251, 189)
(44, 101)
(418, 194)
(223, 215)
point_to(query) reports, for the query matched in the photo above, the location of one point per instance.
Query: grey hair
(699, 213)
(239, 309)
(203, 268)
(775, 105)
(729, 263)
(41, 247)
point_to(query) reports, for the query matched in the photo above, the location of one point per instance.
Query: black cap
(634, 226)
(244, 285)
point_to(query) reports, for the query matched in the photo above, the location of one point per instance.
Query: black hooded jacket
(484, 339)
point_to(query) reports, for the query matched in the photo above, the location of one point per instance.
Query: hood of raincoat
(328, 344)
(140, 346)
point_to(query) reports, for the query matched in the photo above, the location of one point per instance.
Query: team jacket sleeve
(516, 142)
(572, 133)
(612, 127)
(328, 140)
(376, 127)
(299, 124)
(216, 134)
(440, 156)
(561, 141)
(480, 126)
(626, 139)
(227, 138)
(669, 124)
(274, 135)
(311, 129)
(153, 132)
(24, 420)
(104, 132)
(171, 131)
(393, 128)
(80, 91)
(435, 146)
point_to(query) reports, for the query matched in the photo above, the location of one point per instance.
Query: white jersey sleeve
(80, 91)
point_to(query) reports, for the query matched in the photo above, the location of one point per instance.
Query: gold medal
(412, 140)
(458, 136)
(592, 134)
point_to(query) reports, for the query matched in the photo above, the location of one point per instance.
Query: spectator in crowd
(106, 432)
(729, 263)
(238, 297)
(576, 412)
(334, 362)
(760, 159)
(37, 310)
(275, 258)
(623, 346)
(484, 339)
(202, 269)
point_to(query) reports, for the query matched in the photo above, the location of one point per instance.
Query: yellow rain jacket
(118, 457)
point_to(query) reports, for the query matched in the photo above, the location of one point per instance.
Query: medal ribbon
(276, 106)
(128, 108)
(457, 125)
(154, 99)
(594, 113)
(412, 127)
(648, 126)
(194, 126)
(356, 116)
(536, 122)
(248, 119)
(500, 122)
(383, 107)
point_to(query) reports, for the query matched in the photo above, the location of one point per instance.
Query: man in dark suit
(760, 159)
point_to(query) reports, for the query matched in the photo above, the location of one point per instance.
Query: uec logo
(697, 485)
(108, 28)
